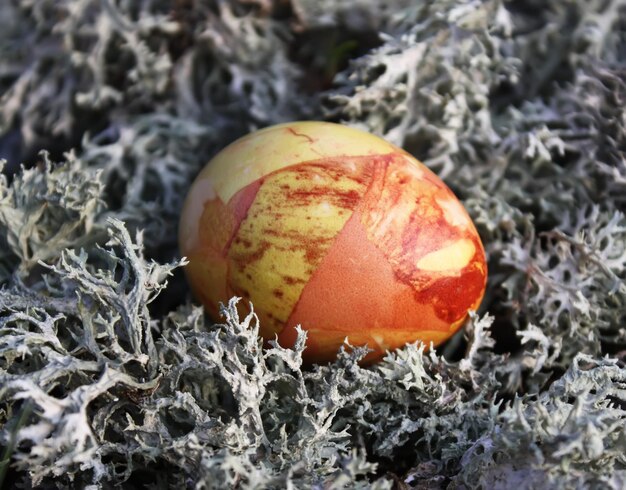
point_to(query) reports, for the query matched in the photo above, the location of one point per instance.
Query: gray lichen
(110, 374)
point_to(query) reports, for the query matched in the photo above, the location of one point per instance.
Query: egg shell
(337, 230)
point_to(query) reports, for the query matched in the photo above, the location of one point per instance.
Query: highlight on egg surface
(336, 230)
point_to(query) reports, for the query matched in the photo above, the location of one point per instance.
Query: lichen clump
(111, 375)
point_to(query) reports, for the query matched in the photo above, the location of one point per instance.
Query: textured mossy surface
(110, 373)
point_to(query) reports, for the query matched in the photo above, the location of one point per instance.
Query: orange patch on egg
(362, 298)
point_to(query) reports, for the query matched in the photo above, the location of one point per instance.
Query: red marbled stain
(406, 223)
(453, 293)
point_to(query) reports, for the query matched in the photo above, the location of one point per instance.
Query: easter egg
(334, 229)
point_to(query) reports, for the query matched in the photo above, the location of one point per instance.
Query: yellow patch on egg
(453, 257)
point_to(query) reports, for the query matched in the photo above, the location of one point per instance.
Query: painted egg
(336, 230)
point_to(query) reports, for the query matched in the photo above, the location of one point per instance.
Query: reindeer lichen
(111, 374)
